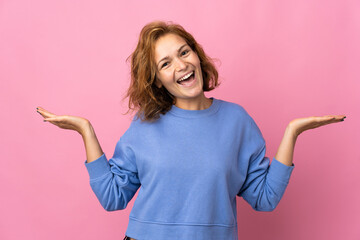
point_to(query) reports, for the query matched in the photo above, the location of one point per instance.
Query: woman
(191, 155)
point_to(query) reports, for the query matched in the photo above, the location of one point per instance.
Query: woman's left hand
(300, 125)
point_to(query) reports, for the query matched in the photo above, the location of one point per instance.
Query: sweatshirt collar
(195, 113)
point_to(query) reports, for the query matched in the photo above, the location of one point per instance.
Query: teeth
(185, 77)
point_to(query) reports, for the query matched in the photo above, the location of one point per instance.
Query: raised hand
(79, 124)
(300, 125)
(295, 128)
(64, 121)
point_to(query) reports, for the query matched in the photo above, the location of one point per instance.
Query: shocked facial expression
(178, 68)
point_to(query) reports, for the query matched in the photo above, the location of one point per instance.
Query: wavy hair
(144, 95)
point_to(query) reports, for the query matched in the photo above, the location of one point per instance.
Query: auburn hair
(144, 95)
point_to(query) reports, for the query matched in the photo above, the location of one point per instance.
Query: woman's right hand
(78, 124)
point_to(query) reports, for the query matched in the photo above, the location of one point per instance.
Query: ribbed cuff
(280, 171)
(98, 167)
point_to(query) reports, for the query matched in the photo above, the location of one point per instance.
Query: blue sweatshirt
(191, 165)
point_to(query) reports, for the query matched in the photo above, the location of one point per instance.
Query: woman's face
(178, 69)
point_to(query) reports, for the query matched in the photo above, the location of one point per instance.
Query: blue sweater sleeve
(116, 181)
(265, 184)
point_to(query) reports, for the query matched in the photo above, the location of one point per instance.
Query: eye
(165, 64)
(183, 53)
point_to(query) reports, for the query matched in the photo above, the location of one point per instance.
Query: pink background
(279, 59)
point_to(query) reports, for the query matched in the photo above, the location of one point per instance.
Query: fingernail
(37, 108)
(44, 120)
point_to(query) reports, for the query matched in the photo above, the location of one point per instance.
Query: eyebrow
(167, 57)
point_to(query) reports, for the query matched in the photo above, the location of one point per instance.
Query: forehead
(167, 45)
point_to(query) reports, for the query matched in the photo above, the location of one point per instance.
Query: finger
(330, 119)
(57, 118)
(322, 120)
(329, 116)
(41, 113)
(50, 119)
(45, 113)
(337, 118)
(41, 109)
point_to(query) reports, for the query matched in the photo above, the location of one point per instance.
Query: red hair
(144, 95)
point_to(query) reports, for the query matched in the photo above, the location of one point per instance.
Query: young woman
(191, 155)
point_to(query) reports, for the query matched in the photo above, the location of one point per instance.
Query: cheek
(164, 78)
(168, 77)
(197, 64)
(196, 58)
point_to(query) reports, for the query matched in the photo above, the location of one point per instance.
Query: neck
(199, 103)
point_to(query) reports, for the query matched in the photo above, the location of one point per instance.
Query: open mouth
(187, 79)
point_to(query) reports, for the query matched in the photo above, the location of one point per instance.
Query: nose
(180, 64)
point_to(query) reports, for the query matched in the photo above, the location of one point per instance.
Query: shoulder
(234, 109)
(138, 128)
(245, 122)
(130, 133)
